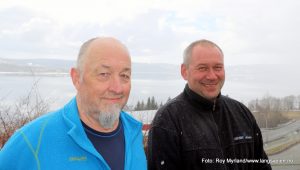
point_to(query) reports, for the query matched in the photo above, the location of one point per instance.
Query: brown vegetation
(270, 111)
(293, 115)
(27, 108)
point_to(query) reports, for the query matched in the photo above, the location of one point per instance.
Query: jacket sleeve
(8, 156)
(138, 157)
(163, 150)
(259, 149)
(15, 154)
(259, 152)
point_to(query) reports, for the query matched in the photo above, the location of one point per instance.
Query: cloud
(249, 32)
(261, 32)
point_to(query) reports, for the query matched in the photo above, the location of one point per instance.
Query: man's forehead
(107, 51)
(108, 66)
(206, 47)
(107, 43)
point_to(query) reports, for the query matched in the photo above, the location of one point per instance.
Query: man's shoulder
(29, 133)
(230, 101)
(50, 117)
(174, 104)
(125, 115)
(238, 107)
(129, 120)
(170, 111)
(33, 128)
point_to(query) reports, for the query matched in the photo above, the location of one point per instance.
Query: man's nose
(211, 74)
(116, 85)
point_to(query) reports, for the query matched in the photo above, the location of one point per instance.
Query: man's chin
(114, 103)
(211, 96)
(109, 116)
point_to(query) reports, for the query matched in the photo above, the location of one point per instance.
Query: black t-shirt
(111, 146)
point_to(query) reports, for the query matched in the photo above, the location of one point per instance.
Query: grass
(292, 115)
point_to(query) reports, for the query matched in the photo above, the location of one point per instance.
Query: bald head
(103, 82)
(97, 44)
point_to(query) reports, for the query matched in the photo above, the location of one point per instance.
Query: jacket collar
(132, 128)
(199, 101)
(75, 128)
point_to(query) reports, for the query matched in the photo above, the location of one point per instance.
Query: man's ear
(75, 75)
(184, 70)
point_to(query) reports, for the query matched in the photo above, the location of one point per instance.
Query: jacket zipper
(217, 129)
(214, 106)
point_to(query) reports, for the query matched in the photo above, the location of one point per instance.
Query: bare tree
(268, 111)
(289, 102)
(298, 101)
(27, 108)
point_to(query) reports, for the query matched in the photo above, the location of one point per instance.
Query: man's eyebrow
(205, 64)
(105, 66)
(202, 64)
(126, 69)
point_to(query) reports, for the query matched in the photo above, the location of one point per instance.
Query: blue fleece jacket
(57, 140)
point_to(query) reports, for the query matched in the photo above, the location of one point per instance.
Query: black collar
(199, 101)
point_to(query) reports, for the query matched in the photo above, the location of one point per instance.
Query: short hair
(82, 55)
(82, 52)
(188, 51)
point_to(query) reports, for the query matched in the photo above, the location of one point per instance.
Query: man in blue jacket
(91, 131)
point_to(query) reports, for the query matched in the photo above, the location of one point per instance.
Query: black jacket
(190, 132)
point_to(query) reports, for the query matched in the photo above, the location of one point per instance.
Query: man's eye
(202, 68)
(104, 75)
(218, 68)
(125, 76)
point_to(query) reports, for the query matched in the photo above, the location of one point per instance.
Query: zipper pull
(214, 106)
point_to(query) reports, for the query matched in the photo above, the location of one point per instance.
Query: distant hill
(35, 65)
(263, 73)
(140, 70)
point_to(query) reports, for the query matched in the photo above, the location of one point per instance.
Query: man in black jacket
(202, 129)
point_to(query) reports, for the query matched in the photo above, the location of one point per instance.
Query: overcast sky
(155, 31)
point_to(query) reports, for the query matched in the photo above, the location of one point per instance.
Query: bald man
(91, 131)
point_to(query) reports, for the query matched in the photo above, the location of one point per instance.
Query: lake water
(60, 88)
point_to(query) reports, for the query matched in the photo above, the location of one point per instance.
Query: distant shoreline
(56, 74)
